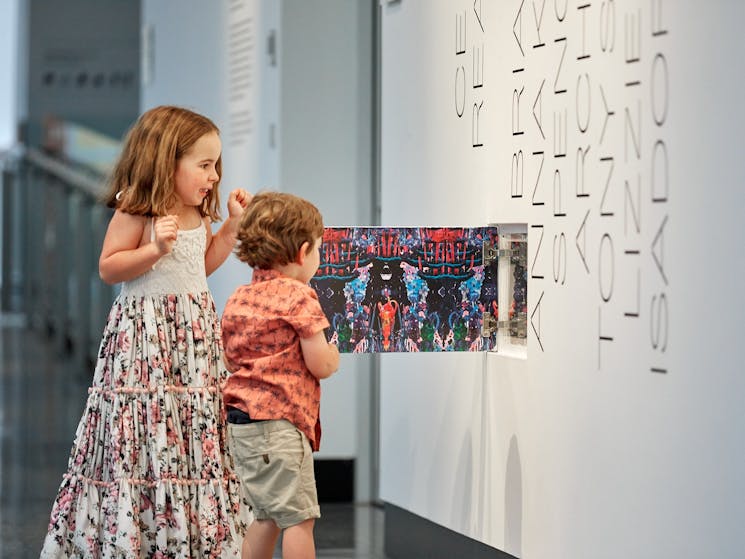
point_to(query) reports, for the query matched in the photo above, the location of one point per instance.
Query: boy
(272, 331)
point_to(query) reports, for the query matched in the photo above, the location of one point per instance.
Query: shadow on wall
(513, 501)
(463, 489)
(464, 494)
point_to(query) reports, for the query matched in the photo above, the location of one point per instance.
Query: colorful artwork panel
(406, 289)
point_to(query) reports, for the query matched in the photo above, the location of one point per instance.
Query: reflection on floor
(41, 398)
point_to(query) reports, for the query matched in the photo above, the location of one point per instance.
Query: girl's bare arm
(124, 256)
(220, 245)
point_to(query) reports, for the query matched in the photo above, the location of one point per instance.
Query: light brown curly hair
(274, 227)
(144, 172)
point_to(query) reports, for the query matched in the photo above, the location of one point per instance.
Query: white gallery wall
(612, 131)
(213, 60)
(282, 82)
(325, 153)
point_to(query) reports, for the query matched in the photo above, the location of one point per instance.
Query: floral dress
(149, 473)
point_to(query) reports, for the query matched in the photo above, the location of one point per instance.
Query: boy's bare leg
(260, 540)
(298, 542)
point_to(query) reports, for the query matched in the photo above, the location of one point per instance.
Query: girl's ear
(302, 254)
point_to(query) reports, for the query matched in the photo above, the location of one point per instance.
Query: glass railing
(52, 230)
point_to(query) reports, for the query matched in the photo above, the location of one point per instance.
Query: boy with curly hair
(272, 331)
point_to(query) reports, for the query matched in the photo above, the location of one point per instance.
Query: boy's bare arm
(321, 357)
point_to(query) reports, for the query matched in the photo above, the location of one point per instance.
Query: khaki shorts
(274, 462)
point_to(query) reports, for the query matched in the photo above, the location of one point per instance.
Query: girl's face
(196, 172)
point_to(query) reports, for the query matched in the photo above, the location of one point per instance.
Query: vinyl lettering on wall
(470, 90)
(590, 100)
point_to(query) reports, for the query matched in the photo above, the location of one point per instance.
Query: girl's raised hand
(166, 230)
(238, 199)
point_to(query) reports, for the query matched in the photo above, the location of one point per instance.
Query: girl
(149, 473)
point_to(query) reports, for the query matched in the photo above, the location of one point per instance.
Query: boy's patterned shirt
(261, 329)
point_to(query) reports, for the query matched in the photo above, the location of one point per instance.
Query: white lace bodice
(180, 271)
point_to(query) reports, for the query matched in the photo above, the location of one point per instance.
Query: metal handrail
(88, 182)
(53, 228)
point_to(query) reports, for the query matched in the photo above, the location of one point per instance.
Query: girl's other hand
(166, 230)
(238, 199)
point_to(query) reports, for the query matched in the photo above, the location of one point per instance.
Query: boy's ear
(302, 253)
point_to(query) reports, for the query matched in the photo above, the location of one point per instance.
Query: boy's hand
(321, 357)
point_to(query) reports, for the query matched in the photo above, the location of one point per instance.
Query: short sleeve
(305, 313)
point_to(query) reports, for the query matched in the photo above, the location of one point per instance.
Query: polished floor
(41, 398)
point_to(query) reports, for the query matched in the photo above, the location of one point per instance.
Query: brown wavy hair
(144, 173)
(273, 228)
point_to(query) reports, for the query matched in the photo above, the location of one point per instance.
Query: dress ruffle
(150, 474)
